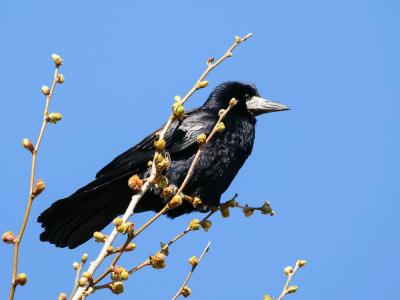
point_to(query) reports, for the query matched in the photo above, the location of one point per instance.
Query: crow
(73, 220)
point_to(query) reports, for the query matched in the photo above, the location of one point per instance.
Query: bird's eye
(246, 96)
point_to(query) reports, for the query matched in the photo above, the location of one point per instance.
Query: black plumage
(71, 221)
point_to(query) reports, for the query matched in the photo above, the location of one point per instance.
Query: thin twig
(31, 197)
(135, 198)
(291, 289)
(194, 266)
(77, 276)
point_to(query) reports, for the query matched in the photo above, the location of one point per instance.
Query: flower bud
(158, 261)
(178, 110)
(75, 265)
(194, 261)
(135, 183)
(266, 208)
(60, 78)
(288, 270)
(110, 249)
(224, 212)
(54, 117)
(220, 126)
(206, 225)
(62, 296)
(233, 102)
(124, 275)
(39, 187)
(196, 202)
(27, 144)
(45, 90)
(130, 247)
(210, 60)
(301, 263)
(194, 224)
(268, 297)
(175, 202)
(221, 112)
(117, 287)
(201, 139)
(292, 289)
(248, 211)
(8, 237)
(121, 228)
(98, 237)
(21, 279)
(118, 221)
(162, 182)
(83, 281)
(202, 84)
(57, 59)
(177, 98)
(238, 40)
(186, 291)
(84, 257)
(231, 203)
(167, 192)
(160, 145)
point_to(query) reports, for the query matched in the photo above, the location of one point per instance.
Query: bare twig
(32, 195)
(194, 266)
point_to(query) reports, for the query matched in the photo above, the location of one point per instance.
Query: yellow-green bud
(167, 192)
(21, 279)
(177, 98)
(121, 228)
(194, 224)
(39, 187)
(301, 263)
(62, 296)
(118, 221)
(201, 138)
(60, 78)
(98, 237)
(202, 84)
(158, 261)
(75, 265)
(232, 102)
(220, 126)
(238, 40)
(175, 202)
(54, 117)
(288, 270)
(27, 144)
(45, 90)
(130, 247)
(178, 110)
(84, 257)
(292, 289)
(124, 275)
(206, 225)
(221, 112)
(186, 291)
(196, 201)
(194, 261)
(83, 281)
(268, 297)
(57, 59)
(266, 208)
(160, 145)
(224, 212)
(117, 287)
(162, 182)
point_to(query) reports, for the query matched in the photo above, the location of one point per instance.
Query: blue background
(330, 166)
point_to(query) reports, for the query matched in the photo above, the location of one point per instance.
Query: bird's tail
(73, 220)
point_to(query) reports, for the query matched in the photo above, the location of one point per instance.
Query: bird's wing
(180, 136)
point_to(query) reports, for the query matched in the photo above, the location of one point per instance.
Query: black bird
(71, 221)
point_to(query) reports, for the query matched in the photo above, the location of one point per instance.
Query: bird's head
(249, 100)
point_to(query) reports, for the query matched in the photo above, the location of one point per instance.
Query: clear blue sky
(330, 166)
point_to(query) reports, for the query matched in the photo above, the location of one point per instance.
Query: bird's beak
(259, 106)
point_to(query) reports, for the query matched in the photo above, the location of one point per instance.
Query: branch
(194, 262)
(34, 190)
(176, 114)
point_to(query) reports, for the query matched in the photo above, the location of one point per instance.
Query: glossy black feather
(71, 221)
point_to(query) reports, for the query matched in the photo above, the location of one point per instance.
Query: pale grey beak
(259, 106)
